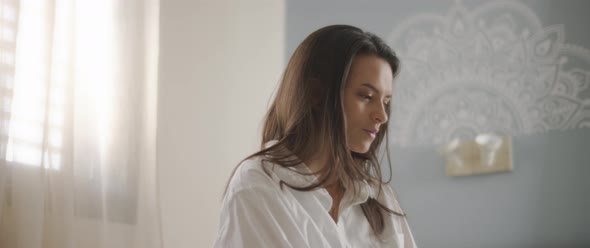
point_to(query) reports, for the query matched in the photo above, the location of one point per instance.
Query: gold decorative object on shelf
(487, 153)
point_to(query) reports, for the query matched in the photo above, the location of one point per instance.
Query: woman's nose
(380, 115)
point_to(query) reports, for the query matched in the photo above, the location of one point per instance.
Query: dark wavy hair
(307, 113)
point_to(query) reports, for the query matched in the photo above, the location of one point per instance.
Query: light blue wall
(544, 202)
(379, 16)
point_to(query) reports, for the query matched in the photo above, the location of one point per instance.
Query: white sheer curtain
(77, 123)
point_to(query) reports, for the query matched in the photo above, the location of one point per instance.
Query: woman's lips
(371, 133)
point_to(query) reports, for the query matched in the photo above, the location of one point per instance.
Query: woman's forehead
(371, 72)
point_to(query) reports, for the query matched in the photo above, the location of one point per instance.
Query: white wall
(219, 63)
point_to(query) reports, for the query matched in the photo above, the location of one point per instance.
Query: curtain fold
(78, 123)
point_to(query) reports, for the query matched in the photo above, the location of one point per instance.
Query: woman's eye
(367, 97)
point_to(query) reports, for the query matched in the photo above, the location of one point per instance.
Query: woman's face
(366, 94)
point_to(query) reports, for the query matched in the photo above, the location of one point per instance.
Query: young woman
(316, 182)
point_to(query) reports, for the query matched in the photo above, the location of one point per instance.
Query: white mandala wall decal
(494, 68)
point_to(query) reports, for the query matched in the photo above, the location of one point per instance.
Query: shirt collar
(364, 191)
(293, 177)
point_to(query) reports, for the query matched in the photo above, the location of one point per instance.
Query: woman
(317, 181)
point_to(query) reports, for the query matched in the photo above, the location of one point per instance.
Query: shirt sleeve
(258, 217)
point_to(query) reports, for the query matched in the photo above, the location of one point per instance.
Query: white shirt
(256, 212)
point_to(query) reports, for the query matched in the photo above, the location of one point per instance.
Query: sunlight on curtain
(78, 123)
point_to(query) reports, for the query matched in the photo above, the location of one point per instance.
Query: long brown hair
(307, 116)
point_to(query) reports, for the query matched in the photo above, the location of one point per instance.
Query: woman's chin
(360, 148)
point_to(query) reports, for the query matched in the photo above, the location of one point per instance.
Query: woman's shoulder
(251, 174)
(388, 197)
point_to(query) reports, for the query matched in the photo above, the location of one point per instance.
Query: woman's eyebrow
(374, 89)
